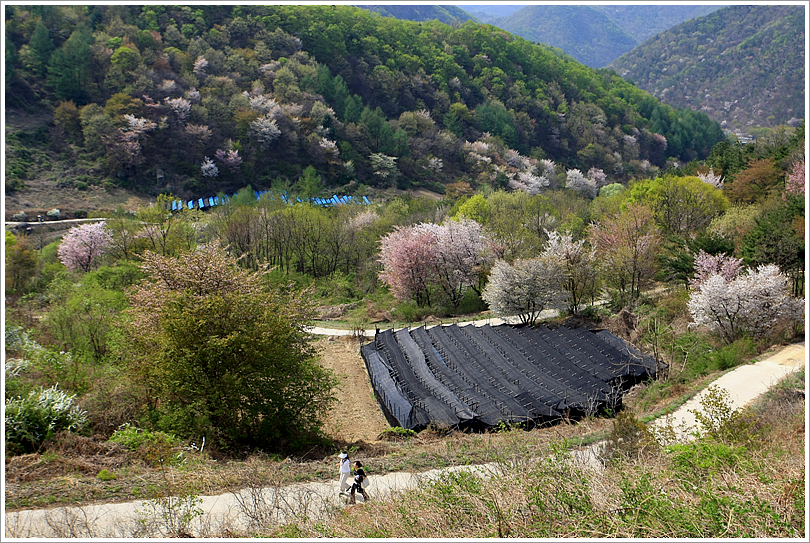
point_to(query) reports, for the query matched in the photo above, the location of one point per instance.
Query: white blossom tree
(265, 130)
(574, 180)
(579, 265)
(711, 178)
(525, 288)
(209, 169)
(750, 304)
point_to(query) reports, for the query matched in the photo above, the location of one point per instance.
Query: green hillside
(743, 65)
(419, 13)
(318, 99)
(584, 32)
(645, 21)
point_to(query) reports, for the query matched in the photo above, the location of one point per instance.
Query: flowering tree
(83, 246)
(229, 158)
(627, 244)
(426, 260)
(574, 180)
(265, 130)
(526, 288)
(406, 255)
(795, 181)
(208, 168)
(707, 265)
(463, 254)
(579, 267)
(711, 178)
(222, 355)
(749, 304)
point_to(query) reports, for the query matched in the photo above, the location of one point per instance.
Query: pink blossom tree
(751, 303)
(707, 265)
(406, 255)
(83, 246)
(795, 181)
(428, 262)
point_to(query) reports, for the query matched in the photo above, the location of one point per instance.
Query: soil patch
(357, 415)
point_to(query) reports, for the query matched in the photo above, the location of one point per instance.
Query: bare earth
(357, 416)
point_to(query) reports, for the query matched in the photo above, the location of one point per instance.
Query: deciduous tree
(222, 355)
(526, 288)
(752, 303)
(83, 246)
(627, 244)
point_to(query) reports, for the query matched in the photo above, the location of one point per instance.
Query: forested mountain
(743, 65)
(198, 99)
(593, 34)
(486, 14)
(417, 12)
(645, 21)
(584, 32)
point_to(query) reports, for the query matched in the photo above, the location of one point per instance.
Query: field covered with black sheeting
(477, 377)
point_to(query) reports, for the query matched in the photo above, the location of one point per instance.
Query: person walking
(345, 467)
(359, 477)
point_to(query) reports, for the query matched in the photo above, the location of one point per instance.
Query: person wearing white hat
(345, 472)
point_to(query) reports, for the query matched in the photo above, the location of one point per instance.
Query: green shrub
(35, 418)
(106, 475)
(410, 312)
(156, 448)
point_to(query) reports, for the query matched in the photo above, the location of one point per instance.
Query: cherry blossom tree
(208, 168)
(406, 255)
(230, 158)
(579, 266)
(463, 255)
(526, 287)
(707, 265)
(83, 246)
(711, 178)
(627, 244)
(795, 181)
(574, 180)
(751, 303)
(265, 130)
(430, 262)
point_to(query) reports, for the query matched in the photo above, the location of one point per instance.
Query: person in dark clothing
(359, 477)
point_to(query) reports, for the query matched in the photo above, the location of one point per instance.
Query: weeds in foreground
(742, 476)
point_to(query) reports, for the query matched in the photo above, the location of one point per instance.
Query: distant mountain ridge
(421, 13)
(594, 35)
(584, 32)
(743, 65)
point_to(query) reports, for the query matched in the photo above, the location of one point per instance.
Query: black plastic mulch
(478, 377)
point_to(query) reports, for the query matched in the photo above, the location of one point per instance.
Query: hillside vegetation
(742, 65)
(149, 351)
(595, 35)
(196, 101)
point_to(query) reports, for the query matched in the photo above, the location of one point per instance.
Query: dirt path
(357, 416)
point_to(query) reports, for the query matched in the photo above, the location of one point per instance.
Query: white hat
(343, 455)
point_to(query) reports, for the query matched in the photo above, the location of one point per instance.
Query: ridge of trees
(192, 99)
(744, 66)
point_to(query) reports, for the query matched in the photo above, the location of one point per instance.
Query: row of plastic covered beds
(470, 376)
(211, 201)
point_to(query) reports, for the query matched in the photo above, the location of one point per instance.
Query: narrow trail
(253, 508)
